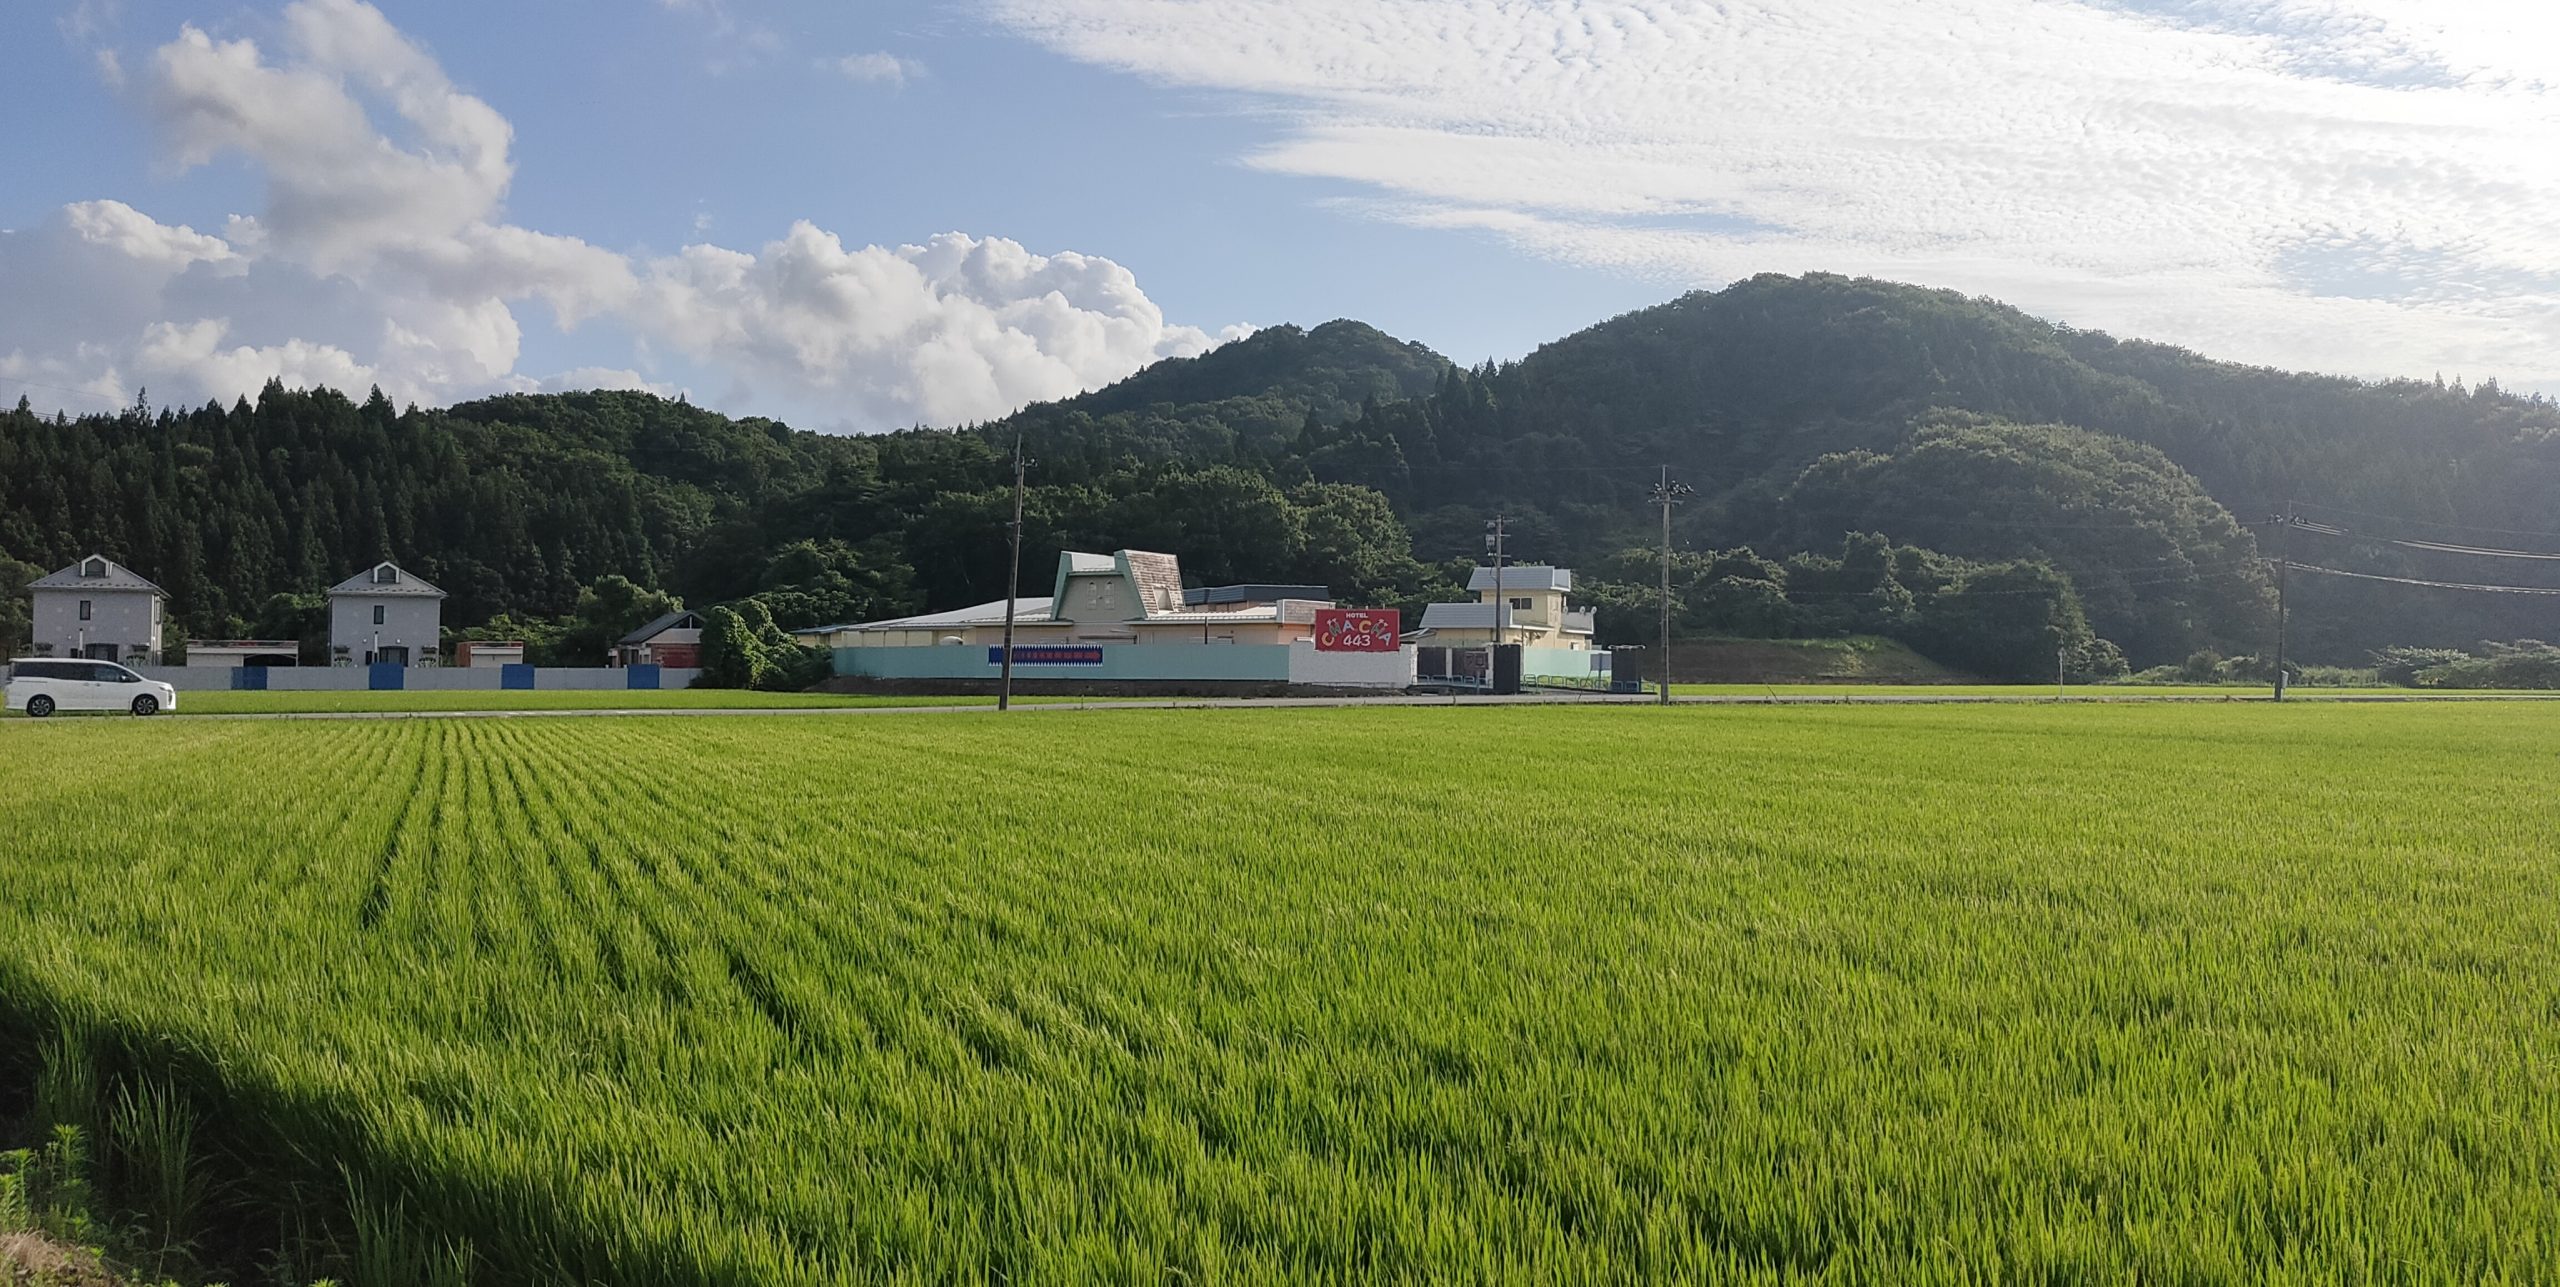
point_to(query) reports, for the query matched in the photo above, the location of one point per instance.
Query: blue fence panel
(249, 679)
(387, 676)
(641, 677)
(515, 675)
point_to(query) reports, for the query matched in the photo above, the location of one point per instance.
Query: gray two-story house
(384, 614)
(100, 609)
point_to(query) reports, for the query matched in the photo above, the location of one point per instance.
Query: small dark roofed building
(674, 640)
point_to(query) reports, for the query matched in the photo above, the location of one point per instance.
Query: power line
(2433, 585)
(2432, 547)
(2428, 522)
(1952, 587)
(2442, 548)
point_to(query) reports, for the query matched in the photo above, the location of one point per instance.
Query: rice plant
(1942, 994)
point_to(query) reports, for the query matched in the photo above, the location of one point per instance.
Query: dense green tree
(606, 611)
(732, 655)
(811, 583)
(2018, 621)
(16, 608)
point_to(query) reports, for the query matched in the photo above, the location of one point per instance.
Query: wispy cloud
(876, 69)
(735, 42)
(2361, 185)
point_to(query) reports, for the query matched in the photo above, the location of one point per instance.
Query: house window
(386, 575)
(1519, 605)
(377, 614)
(84, 609)
(94, 567)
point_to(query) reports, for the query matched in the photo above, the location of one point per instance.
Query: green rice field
(1931, 994)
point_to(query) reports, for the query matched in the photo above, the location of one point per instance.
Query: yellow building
(1530, 605)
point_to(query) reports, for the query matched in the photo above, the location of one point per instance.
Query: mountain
(1972, 444)
(1746, 390)
(1330, 371)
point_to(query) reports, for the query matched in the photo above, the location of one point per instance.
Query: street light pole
(1667, 494)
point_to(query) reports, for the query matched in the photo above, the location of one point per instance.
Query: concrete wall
(414, 622)
(1221, 662)
(423, 679)
(1389, 670)
(128, 619)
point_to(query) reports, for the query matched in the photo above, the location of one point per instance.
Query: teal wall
(1119, 661)
(1573, 663)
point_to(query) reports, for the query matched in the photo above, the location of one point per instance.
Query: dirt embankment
(31, 1260)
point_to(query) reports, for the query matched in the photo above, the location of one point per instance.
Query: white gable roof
(409, 586)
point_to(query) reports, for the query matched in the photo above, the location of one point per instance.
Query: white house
(384, 614)
(100, 609)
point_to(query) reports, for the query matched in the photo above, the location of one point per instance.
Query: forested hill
(1964, 433)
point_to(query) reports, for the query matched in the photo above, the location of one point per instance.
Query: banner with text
(1358, 630)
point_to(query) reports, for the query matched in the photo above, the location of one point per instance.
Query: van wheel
(39, 706)
(146, 705)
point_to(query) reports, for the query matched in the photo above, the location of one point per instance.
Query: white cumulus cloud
(956, 329)
(2358, 185)
(381, 253)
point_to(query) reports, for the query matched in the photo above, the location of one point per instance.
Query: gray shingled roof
(118, 577)
(1479, 616)
(409, 586)
(670, 621)
(1522, 576)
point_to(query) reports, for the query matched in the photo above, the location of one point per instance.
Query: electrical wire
(2432, 547)
(2428, 522)
(2433, 585)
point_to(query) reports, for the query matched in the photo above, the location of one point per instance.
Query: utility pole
(1667, 494)
(2283, 523)
(1494, 532)
(1013, 584)
(2061, 671)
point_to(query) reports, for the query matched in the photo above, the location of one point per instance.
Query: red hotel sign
(1357, 630)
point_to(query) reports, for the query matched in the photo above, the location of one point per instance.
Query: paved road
(2022, 698)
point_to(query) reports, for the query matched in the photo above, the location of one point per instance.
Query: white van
(42, 685)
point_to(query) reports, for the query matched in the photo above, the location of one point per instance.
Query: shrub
(2529, 665)
(2403, 665)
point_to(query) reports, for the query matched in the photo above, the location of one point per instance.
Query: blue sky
(859, 216)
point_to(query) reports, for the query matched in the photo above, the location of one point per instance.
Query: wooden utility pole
(1667, 494)
(1013, 582)
(2282, 524)
(1494, 532)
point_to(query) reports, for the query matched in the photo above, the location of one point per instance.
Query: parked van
(42, 685)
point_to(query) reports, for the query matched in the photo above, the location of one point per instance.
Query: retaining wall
(425, 679)
(1191, 667)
